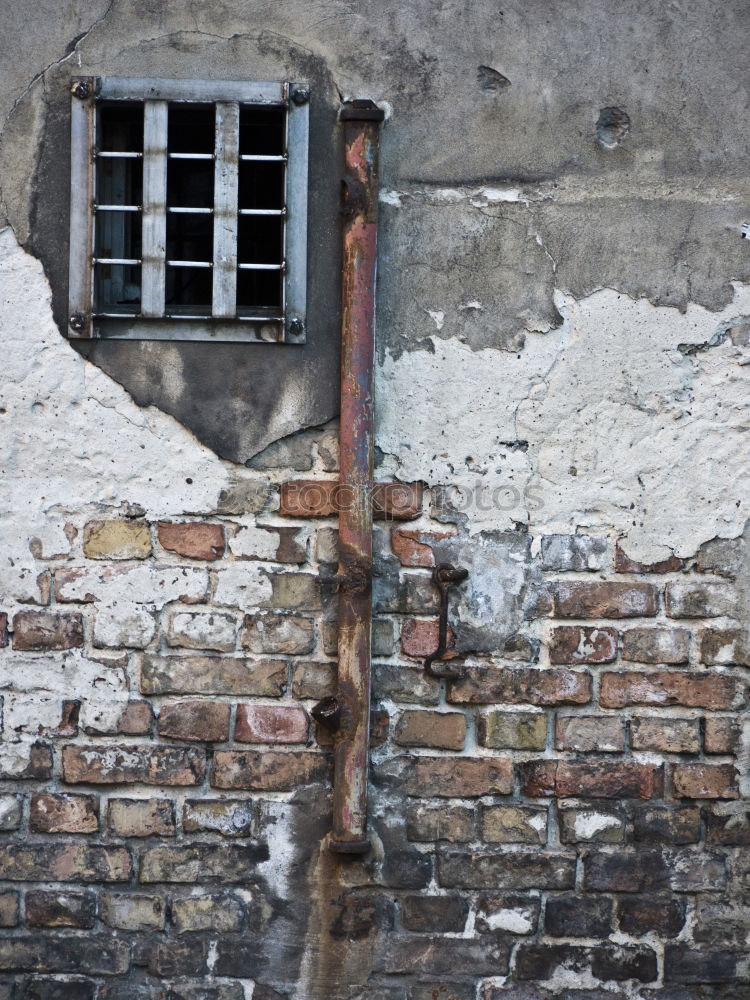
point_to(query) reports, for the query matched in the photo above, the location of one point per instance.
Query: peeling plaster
(597, 411)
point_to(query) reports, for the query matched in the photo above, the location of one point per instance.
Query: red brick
(268, 771)
(3, 629)
(725, 646)
(271, 724)
(414, 548)
(325, 497)
(663, 687)
(42, 631)
(582, 644)
(204, 721)
(64, 814)
(705, 781)
(590, 734)
(420, 638)
(578, 599)
(196, 540)
(136, 719)
(439, 730)
(525, 685)
(570, 779)
(722, 735)
(123, 764)
(451, 777)
(624, 564)
(55, 861)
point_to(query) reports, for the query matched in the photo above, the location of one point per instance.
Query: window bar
(226, 183)
(154, 234)
(190, 156)
(117, 208)
(262, 211)
(115, 154)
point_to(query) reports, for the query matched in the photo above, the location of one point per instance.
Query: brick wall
(565, 820)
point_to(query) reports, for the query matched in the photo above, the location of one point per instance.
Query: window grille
(188, 210)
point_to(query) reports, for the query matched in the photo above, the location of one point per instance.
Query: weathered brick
(294, 592)
(449, 777)
(691, 599)
(3, 629)
(37, 766)
(243, 585)
(326, 547)
(139, 584)
(439, 730)
(726, 647)
(141, 817)
(421, 955)
(503, 730)
(94, 954)
(11, 812)
(133, 912)
(601, 599)
(229, 817)
(722, 923)
(116, 540)
(414, 548)
(213, 675)
(313, 680)
(728, 823)
(454, 824)
(514, 825)
(170, 958)
(271, 724)
(574, 553)
(136, 719)
(220, 913)
(567, 779)
(662, 825)
(9, 910)
(268, 544)
(151, 765)
(60, 909)
(420, 638)
(511, 912)
(705, 781)
(599, 823)
(268, 771)
(662, 915)
(201, 720)
(624, 564)
(325, 497)
(519, 686)
(196, 540)
(402, 683)
(649, 870)
(289, 634)
(216, 991)
(604, 962)
(125, 625)
(582, 644)
(44, 631)
(589, 733)
(693, 690)
(683, 964)
(53, 862)
(656, 645)
(405, 594)
(202, 630)
(57, 988)
(722, 734)
(665, 734)
(223, 863)
(578, 916)
(64, 814)
(470, 868)
(434, 991)
(434, 914)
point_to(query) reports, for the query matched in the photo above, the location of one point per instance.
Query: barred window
(188, 210)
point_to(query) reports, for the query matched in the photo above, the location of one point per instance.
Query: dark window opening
(191, 128)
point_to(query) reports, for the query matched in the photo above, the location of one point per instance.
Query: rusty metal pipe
(361, 121)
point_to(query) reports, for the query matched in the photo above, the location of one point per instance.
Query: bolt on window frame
(153, 322)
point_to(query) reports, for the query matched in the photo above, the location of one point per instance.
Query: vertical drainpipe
(361, 121)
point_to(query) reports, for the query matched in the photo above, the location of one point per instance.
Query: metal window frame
(148, 324)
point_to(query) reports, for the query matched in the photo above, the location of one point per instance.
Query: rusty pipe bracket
(328, 713)
(444, 577)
